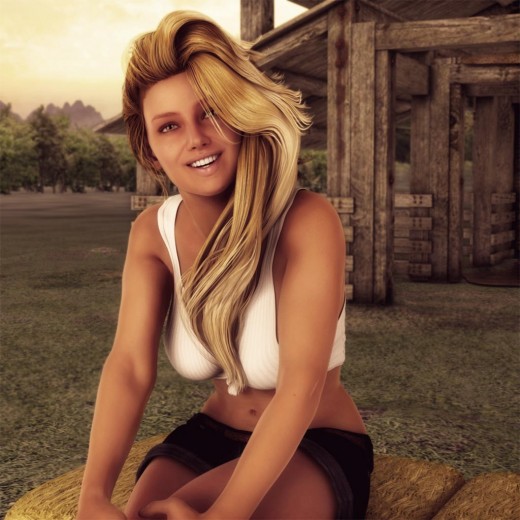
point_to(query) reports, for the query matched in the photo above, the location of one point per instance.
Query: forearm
(270, 448)
(120, 402)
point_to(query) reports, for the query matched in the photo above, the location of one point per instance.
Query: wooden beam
(340, 21)
(484, 142)
(274, 49)
(362, 138)
(372, 12)
(450, 33)
(309, 85)
(455, 187)
(439, 167)
(411, 77)
(256, 18)
(338, 101)
(284, 31)
(384, 158)
(491, 59)
(485, 74)
(420, 180)
(509, 90)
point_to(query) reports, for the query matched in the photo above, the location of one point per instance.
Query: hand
(104, 510)
(172, 508)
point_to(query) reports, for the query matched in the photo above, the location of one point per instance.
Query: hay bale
(58, 498)
(493, 495)
(410, 489)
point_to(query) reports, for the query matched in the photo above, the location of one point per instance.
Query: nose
(197, 137)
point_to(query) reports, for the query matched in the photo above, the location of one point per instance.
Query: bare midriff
(336, 408)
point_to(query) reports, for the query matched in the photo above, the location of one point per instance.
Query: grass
(435, 375)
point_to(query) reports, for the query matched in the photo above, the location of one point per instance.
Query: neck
(204, 211)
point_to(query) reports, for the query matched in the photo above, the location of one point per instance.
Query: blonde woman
(247, 271)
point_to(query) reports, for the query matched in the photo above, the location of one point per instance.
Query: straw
(410, 489)
(58, 498)
(493, 495)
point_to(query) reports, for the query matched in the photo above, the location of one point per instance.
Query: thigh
(303, 491)
(162, 478)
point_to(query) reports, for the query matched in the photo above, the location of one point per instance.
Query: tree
(82, 162)
(110, 170)
(126, 160)
(18, 160)
(48, 140)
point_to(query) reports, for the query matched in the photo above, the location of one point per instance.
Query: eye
(168, 128)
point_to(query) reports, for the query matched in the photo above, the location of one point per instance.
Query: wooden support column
(384, 178)
(340, 21)
(420, 179)
(256, 18)
(456, 180)
(483, 182)
(145, 184)
(362, 155)
(439, 164)
(493, 159)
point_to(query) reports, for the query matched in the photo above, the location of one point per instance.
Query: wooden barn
(365, 66)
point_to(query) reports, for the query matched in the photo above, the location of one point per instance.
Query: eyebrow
(166, 114)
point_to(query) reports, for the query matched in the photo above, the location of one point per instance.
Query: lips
(206, 161)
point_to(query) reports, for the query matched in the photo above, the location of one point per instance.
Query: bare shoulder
(312, 220)
(145, 237)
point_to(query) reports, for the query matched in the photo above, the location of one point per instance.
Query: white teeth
(204, 162)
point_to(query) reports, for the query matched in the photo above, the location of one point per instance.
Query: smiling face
(196, 156)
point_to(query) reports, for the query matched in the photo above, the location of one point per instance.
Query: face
(197, 157)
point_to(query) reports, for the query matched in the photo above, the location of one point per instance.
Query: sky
(57, 51)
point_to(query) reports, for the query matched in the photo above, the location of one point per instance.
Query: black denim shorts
(203, 443)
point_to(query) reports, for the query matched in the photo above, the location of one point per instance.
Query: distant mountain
(79, 115)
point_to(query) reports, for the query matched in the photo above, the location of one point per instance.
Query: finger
(155, 510)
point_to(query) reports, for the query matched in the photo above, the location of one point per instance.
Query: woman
(248, 272)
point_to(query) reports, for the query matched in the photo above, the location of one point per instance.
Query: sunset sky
(53, 51)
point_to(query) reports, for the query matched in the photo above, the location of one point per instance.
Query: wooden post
(362, 154)
(493, 157)
(420, 180)
(483, 185)
(340, 21)
(516, 176)
(439, 166)
(456, 179)
(145, 184)
(384, 178)
(256, 18)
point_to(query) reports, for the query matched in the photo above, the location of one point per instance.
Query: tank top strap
(166, 217)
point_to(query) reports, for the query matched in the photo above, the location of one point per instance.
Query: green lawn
(435, 375)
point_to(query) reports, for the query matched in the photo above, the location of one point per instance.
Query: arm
(129, 372)
(310, 300)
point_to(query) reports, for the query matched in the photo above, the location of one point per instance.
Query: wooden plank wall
(503, 220)
(413, 235)
(345, 208)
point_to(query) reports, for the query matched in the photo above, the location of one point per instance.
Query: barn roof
(298, 48)
(431, 9)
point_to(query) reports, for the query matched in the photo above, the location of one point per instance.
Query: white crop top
(258, 344)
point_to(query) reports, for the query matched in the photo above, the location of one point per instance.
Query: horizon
(55, 52)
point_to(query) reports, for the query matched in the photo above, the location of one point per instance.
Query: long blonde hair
(270, 118)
